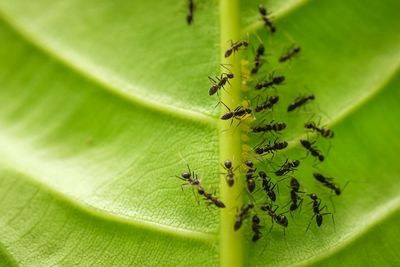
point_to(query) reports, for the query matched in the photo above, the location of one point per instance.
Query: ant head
(249, 163)
(282, 144)
(313, 196)
(296, 162)
(228, 164)
(230, 75)
(251, 205)
(200, 190)
(319, 176)
(260, 49)
(311, 96)
(186, 175)
(266, 207)
(259, 150)
(309, 125)
(262, 10)
(282, 220)
(262, 174)
(248, 110)
(321, 158)
(256, 219)
(278, 79)
(281, 125)
(297, 49)
(305, 143)
(338, 191)
(245, 43)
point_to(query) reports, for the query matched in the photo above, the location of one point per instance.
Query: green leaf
(102, 103)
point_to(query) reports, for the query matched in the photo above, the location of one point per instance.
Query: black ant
(258, 59)
(191, 8)
(230, 174)
(265, 18)
(235, 46)
(316, 202)
(278, 218)
(275, 127)
(238, 113)
(288, 166)
(294, 197)
(256, 228)
(271, 148)
(300, 101)
(273, 80)
(220, 83)
(268, 185)
(242, 215)
(327, 181)
(290, 54)
(312, 149)
(251, 184)
(268, 104)
(324, 132)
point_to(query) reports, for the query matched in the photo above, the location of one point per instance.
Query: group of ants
(288, 167)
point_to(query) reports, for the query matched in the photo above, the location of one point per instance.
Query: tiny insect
(271, 148)
(189, 177)
(327, 181)
(265, 18)
(251, 184)
(290, 54)
(268, 104)
(312, 149)
(220, 82)
(324, 132)
(235, 46)
(316, 203)
(256, 227)
(229, 172)
(242, 215)
(294, 197)
(267, 185)
(300, 101)
(191, 8)
(238, 113)
(278, 218)
(288, 166)
(258, 61)
(270, 127)
(271, 82)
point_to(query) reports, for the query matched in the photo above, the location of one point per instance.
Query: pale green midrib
(379, 216)
(279, 14)
(103, 215)
(101, 81)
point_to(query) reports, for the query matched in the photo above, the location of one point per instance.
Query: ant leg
(272, 225)
(212, 80)
(310, 223)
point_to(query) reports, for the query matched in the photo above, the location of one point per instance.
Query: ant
(278, 218)
(265, 18)
(242, 215)
(273, 80)
(300, 101)
(276, 127)
(238, 113)
(294, 197)
(268, 185)
(327, 181)
(235, 46)
(191, 8)
(324, 132)
(288, 166)
(258, 60)
(290, 54)
(220, 83)
(251, 185)
(230, 174)
(268, 104)
(312, 149)
(256, 228)
(271, 148)
(316, 202)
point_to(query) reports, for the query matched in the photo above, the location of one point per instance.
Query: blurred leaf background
(101, 100)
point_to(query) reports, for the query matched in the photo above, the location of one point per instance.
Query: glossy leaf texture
(102, 103)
